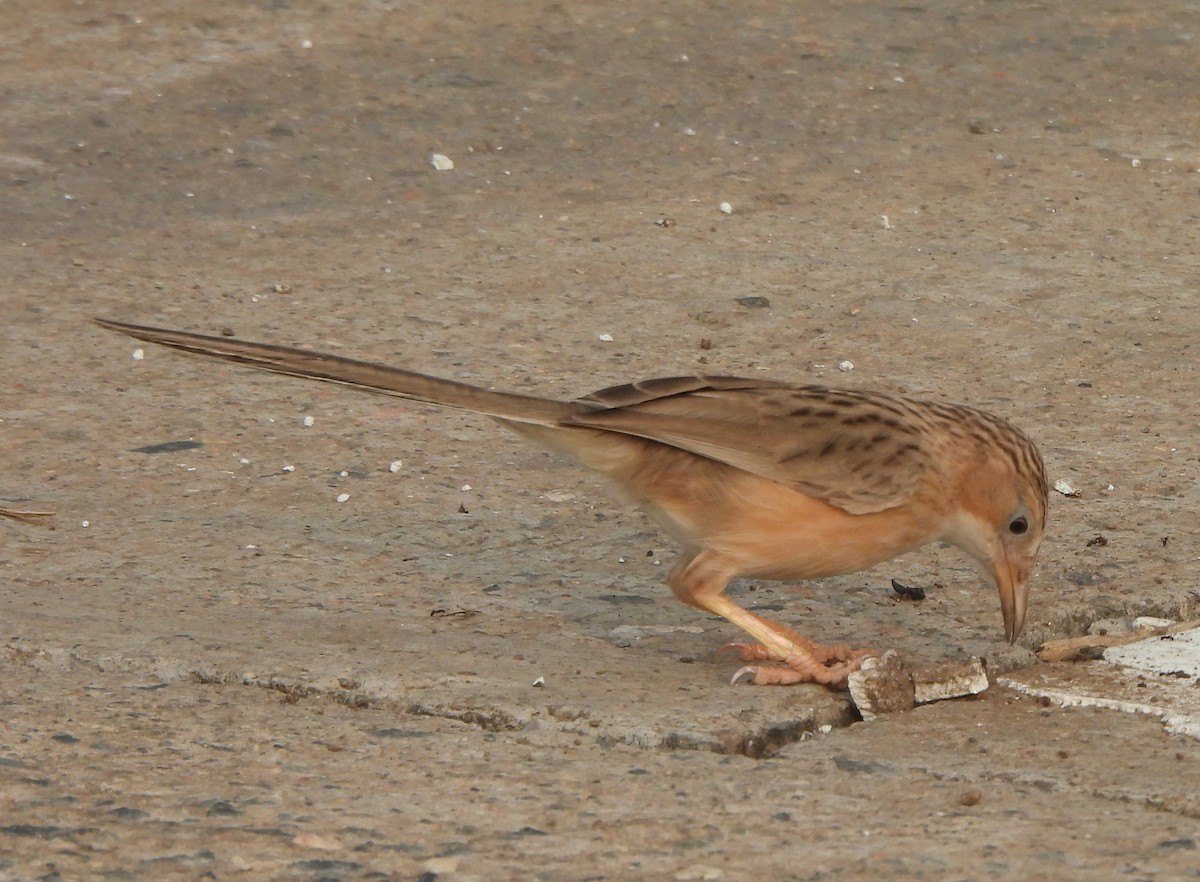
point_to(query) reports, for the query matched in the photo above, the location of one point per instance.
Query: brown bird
(756, 479)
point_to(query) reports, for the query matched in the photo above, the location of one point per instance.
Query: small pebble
(309, 422)
(605, 338)
(320, 841)
(725, 208)
(395, 465)
(754, 302)
(441, 162)
(1065, 488)
(846, 365)
(139, 354)
(343, 497)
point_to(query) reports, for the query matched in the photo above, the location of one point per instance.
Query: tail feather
(372, 377)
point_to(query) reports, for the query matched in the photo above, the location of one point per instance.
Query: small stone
(441, 162)
(1065, 488)
(317, 840)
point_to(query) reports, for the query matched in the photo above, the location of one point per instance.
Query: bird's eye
(1018, 525)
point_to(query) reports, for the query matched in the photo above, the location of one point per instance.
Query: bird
(755, 479)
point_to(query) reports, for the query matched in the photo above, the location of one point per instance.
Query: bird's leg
(699, 581)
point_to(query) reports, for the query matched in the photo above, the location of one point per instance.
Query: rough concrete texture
(987, 202)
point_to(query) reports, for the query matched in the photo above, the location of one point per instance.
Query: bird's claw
(829, 665)
(750, 670)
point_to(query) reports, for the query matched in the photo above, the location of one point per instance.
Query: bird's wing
(859, 451)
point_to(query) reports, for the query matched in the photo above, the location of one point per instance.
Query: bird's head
(1002, 515)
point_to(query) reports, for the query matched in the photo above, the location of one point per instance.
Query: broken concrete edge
(545, 720)
(1173, 652)
(1075, 620)
(1176, 724)
(1092, 646)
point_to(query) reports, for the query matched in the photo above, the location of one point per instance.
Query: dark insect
(908, 592)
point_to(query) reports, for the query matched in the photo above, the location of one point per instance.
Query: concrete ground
(470, 668)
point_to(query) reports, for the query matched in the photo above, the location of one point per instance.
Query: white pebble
(1065, 488)
(466, 487)
(540, 681)
(85, 523)
(139, 354)
(306, 44)
(725, 208)
(288, 468)
(243, 461)
(395, 465)
(342, 497)
(605, 338)
(441, 162)
(846, 365)
(309, 422)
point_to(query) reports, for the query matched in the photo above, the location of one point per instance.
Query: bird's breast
(775, 532)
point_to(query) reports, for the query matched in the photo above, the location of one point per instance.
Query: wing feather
(859, 451)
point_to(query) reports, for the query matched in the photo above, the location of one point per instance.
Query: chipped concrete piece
(888, 684)
(949, 680)
(882, 686)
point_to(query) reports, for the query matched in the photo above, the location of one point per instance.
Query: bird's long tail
(369, 376)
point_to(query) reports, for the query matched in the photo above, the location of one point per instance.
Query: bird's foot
(813, 663)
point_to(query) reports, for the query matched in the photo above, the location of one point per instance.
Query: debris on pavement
(888, 684)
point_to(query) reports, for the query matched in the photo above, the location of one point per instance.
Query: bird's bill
(1013, 585)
